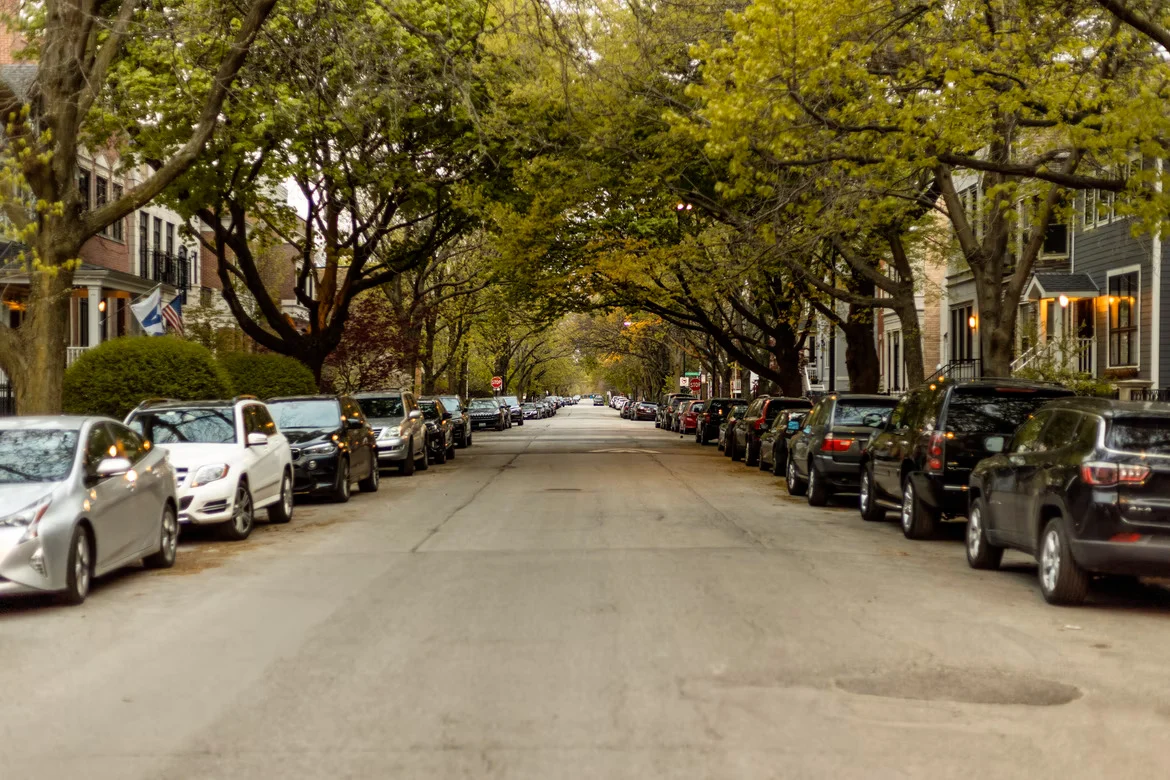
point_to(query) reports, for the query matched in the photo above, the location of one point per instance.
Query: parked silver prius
(79, 497)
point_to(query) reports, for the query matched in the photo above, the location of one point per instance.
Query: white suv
(229, 458)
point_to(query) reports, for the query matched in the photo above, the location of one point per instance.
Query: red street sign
(695, 384)
(497, 383)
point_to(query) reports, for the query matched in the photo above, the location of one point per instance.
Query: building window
(101, 187)
(972, 200)
(143, 244)
(83, 187)
(157, 234)
(170, 239)
(1123, 319)
(117, 230)
(1104, 202)
(962, 334)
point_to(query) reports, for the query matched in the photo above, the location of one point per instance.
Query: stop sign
(497, 383)
(695, 384)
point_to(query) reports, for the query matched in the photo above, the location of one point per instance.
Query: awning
(89, 275)
(1056, 285)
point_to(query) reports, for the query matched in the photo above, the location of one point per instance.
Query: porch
(1057, 324)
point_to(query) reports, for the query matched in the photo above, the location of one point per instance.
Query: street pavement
(583, 597)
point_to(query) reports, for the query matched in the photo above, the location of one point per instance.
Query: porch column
(94, 294)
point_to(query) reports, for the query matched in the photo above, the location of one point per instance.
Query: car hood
(306, 435)
(13, 498)
(384, 422)
(186, 455)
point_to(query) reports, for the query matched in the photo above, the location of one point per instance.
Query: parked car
(645, 411)
(774, 441)
(666, 408)
(531, 411)
(713, 417)
(487, 413)
(517, 414)
(82, 496)
(397, 423)
(728, 425)
(332, 444)
(744, 438)
(598, 401)
(440, 430)
(459, 418)
(920, 461)
(1081, 486)
(230, 460)
(689, 417)
(824, 456)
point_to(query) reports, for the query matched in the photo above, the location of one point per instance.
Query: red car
(689, 417)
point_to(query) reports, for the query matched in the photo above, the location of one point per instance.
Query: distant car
(598, 401)
(744, 439)
(921, 459)
(712, 418)
(81, 496)
(689, 417)
(440, 430)
(517, 414)
(645, 411)
(774, 441)
(332, 444)
(531, 412)
(824, 457)
(1081, 486)
(669, 416)
(728, 425)
(459, 418)
(230, 460)
(487, 413)
(397, 423)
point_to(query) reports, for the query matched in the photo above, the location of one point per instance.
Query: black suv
(1082, 487)
(332, 444)
(440, 430)
(824, 454)
(921, 460)
(743, 441)
(774, 441)
(459, 418)
(714, 415)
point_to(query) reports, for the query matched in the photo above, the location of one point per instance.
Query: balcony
(168, 268)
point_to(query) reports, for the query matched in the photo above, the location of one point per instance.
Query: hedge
(268, 375)
(117, 375)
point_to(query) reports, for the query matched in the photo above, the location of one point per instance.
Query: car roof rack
(244, 397)
(149, 402)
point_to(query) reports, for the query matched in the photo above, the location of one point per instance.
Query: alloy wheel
(170, 535)
(81, 565)
(974, 531)
(242, 516)
(791, 476)
(286, 495)
(908, 507)
(864, 499)
(1050, 560)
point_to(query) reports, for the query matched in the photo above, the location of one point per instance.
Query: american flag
(173, 314)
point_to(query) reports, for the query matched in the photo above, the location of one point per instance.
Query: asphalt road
(582, 597)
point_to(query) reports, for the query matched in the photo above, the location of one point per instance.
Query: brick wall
(107, 253)
(10, 42)
(208, 273)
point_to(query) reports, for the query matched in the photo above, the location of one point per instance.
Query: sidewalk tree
(85, 84)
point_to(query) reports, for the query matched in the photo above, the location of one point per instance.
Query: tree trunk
(37, 365)
(861, 358)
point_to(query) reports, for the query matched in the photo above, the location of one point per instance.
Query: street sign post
(695, 384)
(692, 373)
(497, 383)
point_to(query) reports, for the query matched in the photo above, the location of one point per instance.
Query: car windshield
(996, 410)
(695, 408)
(378, 408)
(36, 455)
(484, 403)
(852, 413)
(451, 403)
(323, 414)
(1140, 434)
(511, 400)
(529, 406)
(187, 426)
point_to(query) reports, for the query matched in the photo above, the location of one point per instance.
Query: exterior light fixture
(102, 305)
(972, 322)
(1063, 301)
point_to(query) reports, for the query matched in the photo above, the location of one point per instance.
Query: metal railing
(171, 269)
(1150, 394)
(963, 368)
(72, 353)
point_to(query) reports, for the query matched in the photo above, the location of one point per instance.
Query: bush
(114, 377)
(267, 376)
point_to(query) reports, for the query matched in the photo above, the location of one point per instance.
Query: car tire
(819, 490)
(451, 451)
(467, 442)
(373, 479)
(441, 457)
(168, 541)
(871, 510)
(795, 485)
(79, 574)
(424, 462)
(406, 469)
(1062, 580)
(519, 422)
(341, 488)
(918, 520)
(779, 464)
(736, 454)
(760, 459)
(243, 519)
(282, 511)
(751, 455)
(499, 426)
(981, 554)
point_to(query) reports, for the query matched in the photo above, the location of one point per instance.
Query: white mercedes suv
(229, 458)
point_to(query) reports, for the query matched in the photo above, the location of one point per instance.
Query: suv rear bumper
(841, 475)
(1147, 558)
(947, 499)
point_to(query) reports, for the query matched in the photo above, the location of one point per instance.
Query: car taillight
(836, 445)
(934, 452)
(706, 418)
(760, 423)
(1103, 474)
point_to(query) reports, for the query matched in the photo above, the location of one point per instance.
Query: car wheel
(424, 462)
(818, 489)
(239, 527)
(871, 510)
(372, 480)
(760, 458)
(451, 451)
(735, 452)
(406, 469)
(1062, 581)
(467, 443)
(79, 575)
(795, 484)
(441, 456)
(341, 488)
(778, 462)
(918, 520)
(168, 541)
(499, 426)
(981, 554)
(752, 456)
(282, 510)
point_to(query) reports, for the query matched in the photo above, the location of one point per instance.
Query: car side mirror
(354, 423)
(414, 415)
(793, 426)
(447, 415)
(113, 467)
(257, 440)
(995, 444)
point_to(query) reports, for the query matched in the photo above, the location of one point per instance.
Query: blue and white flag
(149, 314)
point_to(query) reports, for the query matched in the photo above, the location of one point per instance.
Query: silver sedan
(79, 497)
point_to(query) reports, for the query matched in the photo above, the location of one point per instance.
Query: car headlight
(320, 449)
(209, 473)
(27, 516)
(391, 432)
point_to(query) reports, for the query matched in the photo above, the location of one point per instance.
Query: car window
(430, 410)
(127, 443)
(251, 421)
(386, 406)
(451, 403)
(1061, 430)
(855, 412)
(36, 455)
(993, 410)
(318, 414)
(817, 415)
(1140, 434)
(1027, 438)
(1088, 433)
(353, 411)
(99, 446)
(899, 417)
(267, 424)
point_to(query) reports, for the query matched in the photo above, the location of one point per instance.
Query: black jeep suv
(920, 461)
